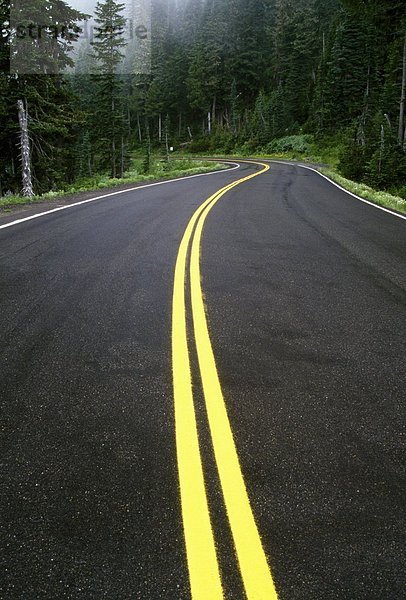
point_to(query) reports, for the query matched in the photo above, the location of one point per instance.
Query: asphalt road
(304, 289)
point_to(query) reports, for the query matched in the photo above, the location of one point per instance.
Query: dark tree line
(227, 75)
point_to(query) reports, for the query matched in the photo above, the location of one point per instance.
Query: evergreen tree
(242, 70)
(49, 102)
(108, 122)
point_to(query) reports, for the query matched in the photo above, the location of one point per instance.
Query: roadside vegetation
(316, 80)
(158, 169)
(364, 191)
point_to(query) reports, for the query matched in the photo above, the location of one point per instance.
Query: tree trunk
(139, 128)
(122, 157)
(401, 134)
(382, 148)
(28, 191)
(113, 141)
(113, 158)
(160, 127)
(166, 144)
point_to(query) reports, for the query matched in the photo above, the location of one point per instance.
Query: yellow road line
(200, 546)
(253, 564)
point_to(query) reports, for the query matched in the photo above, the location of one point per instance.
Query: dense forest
(227, 76)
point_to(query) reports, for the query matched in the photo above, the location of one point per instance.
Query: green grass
(364, 191)
(177, 167)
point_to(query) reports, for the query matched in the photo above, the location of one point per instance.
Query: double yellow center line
(204, 572)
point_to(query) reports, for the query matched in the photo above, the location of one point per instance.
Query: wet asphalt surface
(305, 294)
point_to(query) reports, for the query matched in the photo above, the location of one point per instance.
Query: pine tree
(108, 47)
(47, 31)
(260, 123)
(50, 108)
(245, 70)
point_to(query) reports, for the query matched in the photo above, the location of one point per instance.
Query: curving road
(304, 292)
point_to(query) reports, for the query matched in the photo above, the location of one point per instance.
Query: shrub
(387, 168)
(292, 143)
(352, 161)
(198, 145)
(247, 148)
(222, 141)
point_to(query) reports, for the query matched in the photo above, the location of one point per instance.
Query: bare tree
(25, 154)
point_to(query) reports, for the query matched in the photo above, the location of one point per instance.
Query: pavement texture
(305, 291)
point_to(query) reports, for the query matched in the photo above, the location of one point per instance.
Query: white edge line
(139, 187)
(391, 212)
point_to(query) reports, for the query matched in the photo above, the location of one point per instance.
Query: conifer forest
(240, 77)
